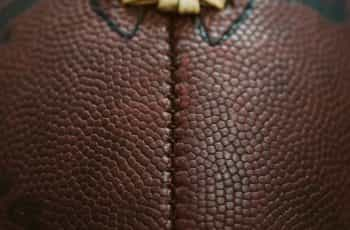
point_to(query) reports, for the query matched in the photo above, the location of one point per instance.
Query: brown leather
(84, 120)
(165, 127)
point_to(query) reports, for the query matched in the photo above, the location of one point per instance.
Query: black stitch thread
(232, 29)
(200, 25)
(113, 25)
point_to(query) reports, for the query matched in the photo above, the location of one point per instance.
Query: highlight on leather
(179, 6)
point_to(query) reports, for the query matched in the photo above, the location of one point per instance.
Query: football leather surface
(127, 118)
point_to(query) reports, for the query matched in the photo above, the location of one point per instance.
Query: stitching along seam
(114, 25)
(229, 32)
(200, 27)
(336, 12)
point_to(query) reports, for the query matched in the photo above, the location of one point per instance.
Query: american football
(174, 115)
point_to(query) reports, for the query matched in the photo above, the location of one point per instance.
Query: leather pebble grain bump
(115, 117)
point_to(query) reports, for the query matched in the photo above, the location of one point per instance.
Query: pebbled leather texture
(124, 118)
(84, 121)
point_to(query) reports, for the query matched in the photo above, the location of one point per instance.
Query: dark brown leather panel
(263, 123)
(84, 122)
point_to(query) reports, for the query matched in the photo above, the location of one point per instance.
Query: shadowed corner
(5, 34)
(26, 213)
(5, 185)
(9, 9)
(334, 10)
